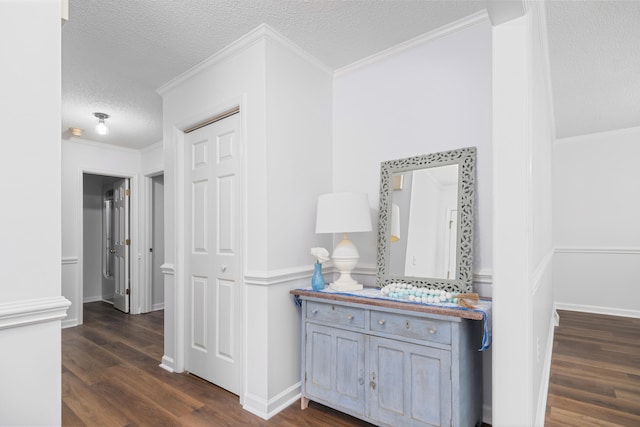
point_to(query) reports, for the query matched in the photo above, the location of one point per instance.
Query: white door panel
(212, 206)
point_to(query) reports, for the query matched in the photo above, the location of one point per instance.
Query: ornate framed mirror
(425, 223)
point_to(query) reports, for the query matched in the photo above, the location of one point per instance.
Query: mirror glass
(426, 221)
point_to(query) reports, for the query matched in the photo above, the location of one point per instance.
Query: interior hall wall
(31, 305)
(427, 97)
(596, 229)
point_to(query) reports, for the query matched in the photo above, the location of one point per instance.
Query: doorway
(106, 240)
(156, 241)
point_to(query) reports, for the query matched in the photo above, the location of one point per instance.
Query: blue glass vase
(317, 280)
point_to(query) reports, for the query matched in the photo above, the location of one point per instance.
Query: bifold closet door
(212, 270)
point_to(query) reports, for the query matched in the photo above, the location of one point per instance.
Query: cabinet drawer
(411, 327)
(335, 313)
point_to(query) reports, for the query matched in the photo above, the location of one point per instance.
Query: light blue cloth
(482, 306)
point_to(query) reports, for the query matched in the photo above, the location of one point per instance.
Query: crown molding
(441, 32)
(101, 145)
(603, 134)
(260, 33)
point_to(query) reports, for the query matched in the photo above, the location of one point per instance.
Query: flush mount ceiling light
(101, 127)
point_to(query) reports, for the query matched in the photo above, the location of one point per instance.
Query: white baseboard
(266, 409)
(546, 372)
(69, 323)
(610, 311)
(158, 306)
(167, 364)
(91, 299)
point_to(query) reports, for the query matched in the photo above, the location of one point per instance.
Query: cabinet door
(335, 367)
(409, 385)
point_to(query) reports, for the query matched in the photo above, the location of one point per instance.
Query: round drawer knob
(381, 322)
(432, 331)
(315, 311)
(350, 317)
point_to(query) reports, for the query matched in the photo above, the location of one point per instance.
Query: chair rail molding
(168, 269)
(605, 250)
(28, 312)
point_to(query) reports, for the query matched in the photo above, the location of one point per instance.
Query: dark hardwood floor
(110, 377)
(595, 371)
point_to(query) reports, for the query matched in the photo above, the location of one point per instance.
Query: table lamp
(344, 213)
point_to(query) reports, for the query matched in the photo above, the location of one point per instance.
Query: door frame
(134, 302)
(176, 310)
(146, 303)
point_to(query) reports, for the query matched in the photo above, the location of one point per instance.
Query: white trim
(92, 299)
(28, 312)
(483, 276)
(540, 271)
(157, 307)
(603, 134)
(266, 409)
(260, 33)
(602, 250)
(167, 364)
(609, 311)
(443, 31)
(151, 147)
(69, 260)
(273, 277)
(102, 145)
(168, 269)
(546, 372)
(274, 35)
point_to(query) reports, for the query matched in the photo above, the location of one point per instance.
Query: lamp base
(345, 283)
(345, 257)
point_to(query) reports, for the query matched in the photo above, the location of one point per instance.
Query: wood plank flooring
(595, 371)
(110, 377)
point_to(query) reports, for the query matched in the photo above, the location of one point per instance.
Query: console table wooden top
(422, 308)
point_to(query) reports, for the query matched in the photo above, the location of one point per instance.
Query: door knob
(112, 251)
(223, 268)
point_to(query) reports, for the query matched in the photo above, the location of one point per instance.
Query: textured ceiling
(115, 54)
(594, 50)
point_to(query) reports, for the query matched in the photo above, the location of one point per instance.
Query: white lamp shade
(343, 213)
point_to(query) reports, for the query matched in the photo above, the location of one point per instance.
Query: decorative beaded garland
(421, 294)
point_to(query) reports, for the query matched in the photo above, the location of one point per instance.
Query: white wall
(432, 96)
(30, 302)
(428, 96)
(596, 229)
(523, 300)
(80, 156)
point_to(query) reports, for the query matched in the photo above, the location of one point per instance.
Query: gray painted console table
(389, 362)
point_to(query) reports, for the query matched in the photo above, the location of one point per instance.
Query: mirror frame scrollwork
(466, 159)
